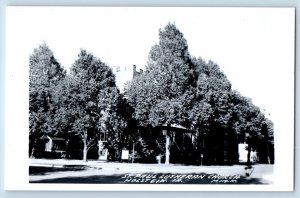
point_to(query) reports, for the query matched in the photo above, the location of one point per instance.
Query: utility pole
(133, 153)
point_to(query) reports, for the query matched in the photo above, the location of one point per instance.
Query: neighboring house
(243, 152)
(54, 144)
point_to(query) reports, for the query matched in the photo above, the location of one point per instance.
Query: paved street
(77, 171)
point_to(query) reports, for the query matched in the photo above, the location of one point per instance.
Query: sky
(253, 46)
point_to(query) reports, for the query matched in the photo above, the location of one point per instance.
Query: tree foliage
(90, 99)
(177, 88)
(156, 95)
(77, 105)
(45, 74)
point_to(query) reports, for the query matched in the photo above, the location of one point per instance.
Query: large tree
(45, 73)
(254, 128)
(115, 119)
(90, 101)
(218, 112)
(179, 89)
(209, 110)
(157, 94)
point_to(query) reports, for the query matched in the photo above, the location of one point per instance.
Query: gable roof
(177, 128)
(52, 138)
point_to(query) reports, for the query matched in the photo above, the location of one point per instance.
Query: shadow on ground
(38, 170)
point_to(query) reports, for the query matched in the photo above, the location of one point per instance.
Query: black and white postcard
(149, 98)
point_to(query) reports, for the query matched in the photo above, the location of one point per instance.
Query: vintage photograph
(130, 96)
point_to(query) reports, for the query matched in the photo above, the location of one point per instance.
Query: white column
(167, 149)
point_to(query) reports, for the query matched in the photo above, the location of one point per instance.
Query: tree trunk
(85, 145)
(268, 151)
(32, 153)
(167, 161)
(248, 155)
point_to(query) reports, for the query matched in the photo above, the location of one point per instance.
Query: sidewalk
(101, 167)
